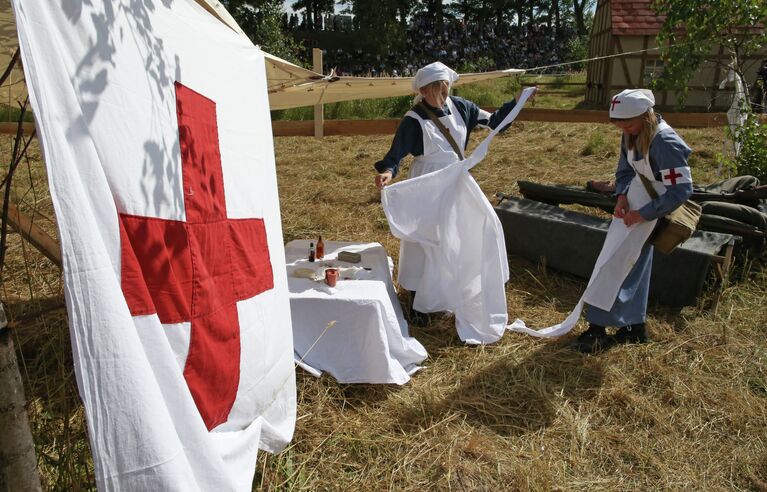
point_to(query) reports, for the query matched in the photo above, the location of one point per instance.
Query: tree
(314, 10)
(380, 25)
(693, 29)
(381, 15)
(580, 13)
(468, 10)
(498, 9)
(435, 11)
(404, 9)
(260, 19)
(17, 451)
(692, 32)
(18, 463)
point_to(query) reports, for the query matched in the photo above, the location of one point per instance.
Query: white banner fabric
(154, 121)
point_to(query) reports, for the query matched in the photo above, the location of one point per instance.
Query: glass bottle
(320, 248)
(311, 252)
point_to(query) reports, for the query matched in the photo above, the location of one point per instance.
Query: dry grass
(687, 411)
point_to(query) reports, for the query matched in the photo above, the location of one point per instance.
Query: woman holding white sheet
(419, 134)
(649, 146)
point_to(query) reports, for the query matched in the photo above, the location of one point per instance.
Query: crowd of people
(469, 47)
(497, 47)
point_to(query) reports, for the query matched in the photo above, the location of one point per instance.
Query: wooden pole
(18, 464)
(38, 238)
(319, 109)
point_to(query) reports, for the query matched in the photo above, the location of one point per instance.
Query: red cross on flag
(676, 175)
(154, 121)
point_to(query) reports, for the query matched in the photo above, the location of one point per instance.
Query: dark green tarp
(570, 241)
(718, 216)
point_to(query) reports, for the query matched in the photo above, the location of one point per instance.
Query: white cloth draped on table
(465, 264)
(355, 331)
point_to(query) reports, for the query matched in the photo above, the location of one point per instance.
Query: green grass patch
(11, 113)
(361, 109)
(597, 144)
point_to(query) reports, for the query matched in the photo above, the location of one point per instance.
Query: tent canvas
(171, 238)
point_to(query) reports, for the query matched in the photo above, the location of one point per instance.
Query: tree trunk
(531, 13)
(434, 8)
(18, 464)
(580, 22)
(318, 17)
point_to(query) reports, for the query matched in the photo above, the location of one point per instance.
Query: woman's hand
(531, 99)
(621, 207)
(633, 217)
(383, 179)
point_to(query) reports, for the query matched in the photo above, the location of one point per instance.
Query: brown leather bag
(676, 227)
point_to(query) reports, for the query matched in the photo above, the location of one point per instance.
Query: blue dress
(668, 152)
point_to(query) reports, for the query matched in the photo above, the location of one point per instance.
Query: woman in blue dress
(644, 134)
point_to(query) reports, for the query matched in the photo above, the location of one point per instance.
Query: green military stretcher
(734, 222)
(728, 212)
(570, 241)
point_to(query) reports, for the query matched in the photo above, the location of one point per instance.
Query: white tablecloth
(355, 331)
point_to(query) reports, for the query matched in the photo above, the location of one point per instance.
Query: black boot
(417, 318)
(636, 333)
(595, 339)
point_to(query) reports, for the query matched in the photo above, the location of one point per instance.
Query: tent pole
(319, 112)
(36, 236)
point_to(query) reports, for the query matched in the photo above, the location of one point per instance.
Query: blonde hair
(433, 88)
(641, 142)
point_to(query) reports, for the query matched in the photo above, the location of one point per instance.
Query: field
(687, 411)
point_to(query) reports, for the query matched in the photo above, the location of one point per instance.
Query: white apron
(465, 264)
(437, 154)
(621, 249)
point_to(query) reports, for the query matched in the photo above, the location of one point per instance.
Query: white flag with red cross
(676, 175)
(154, 122)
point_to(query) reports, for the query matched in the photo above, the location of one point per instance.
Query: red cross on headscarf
(672, 175)
(615, 101)
(196, 271)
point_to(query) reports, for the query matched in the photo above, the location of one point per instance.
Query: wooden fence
(387, 127)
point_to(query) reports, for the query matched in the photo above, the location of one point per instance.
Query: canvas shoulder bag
(676, 227)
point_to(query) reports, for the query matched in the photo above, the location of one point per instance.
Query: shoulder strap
(646, 182)
(647, 186)
(442, 128)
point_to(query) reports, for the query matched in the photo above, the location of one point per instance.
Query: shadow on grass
(342, 397)
(513, 398)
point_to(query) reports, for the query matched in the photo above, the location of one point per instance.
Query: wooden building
(631, 26)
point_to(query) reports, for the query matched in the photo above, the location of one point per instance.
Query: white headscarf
(631, 103)
(432, 73)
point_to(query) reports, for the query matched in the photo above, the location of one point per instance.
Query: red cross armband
(676, 175)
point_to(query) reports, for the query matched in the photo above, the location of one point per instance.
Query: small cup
(331, 276)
